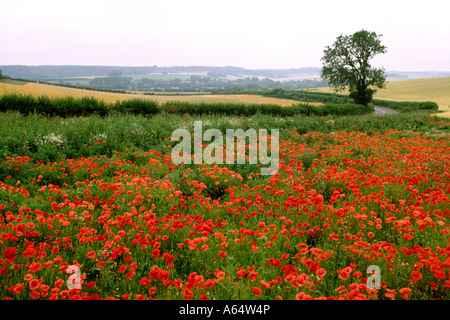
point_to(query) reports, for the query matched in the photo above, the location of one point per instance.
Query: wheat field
(38, 89)
(425, 89)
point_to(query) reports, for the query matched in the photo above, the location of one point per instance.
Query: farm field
(94, 208)
(425, 89)
(51, 91)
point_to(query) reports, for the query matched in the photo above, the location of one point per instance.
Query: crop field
(38, 89)
(94, 207)
(426, 89)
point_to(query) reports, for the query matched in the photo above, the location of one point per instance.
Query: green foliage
(346, 64)
(70, 107)
(407, 106)
(137, 106)
(305, 96)
(333, 98)
(62, 107)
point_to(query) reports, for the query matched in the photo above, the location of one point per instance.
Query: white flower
(98, 137)
(51, 139)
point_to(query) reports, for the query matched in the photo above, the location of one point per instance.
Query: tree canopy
(346, 64)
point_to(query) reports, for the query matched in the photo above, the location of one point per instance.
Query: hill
(44, 73)
(37, 89)
(426, 89)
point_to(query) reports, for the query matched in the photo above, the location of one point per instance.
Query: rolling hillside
(37, 89)
(425, 89)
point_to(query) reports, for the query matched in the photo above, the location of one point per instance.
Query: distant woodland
(167, 79)
(179, 78)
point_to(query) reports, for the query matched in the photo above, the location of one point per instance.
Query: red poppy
(416, 275)
(35, 294)
(10, 253)
(163, 275)
(145, 281)
(256, 291)
(405, 293)
(153, 274)
(303, 296)
(28, 276)
(253, 276)
(321, 272)
(34, 266)
(188, 294)
(241, 273)
(34, 284)
(265, 284)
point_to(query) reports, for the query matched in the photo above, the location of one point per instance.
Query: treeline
(49, 72)
(306, 96)
(181, 107)
(81, 87)
(70, 107)
(406, 106)
(196, 83)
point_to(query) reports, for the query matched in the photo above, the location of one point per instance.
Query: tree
(115, 73)
(346, 64)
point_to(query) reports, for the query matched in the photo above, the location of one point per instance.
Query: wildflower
(265, 284)
(344, 273)
(34, 266)
(256, 291)
(303, 296)
(416, 275)
(188, 294)
(241, 273)
(253, 276)
(405, 293)
(321, 272)
(144, 281)
(163, 275)
(28, 277)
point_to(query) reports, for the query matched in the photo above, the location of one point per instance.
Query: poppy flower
(405, 293)
(35, 294)
(28, 277)
(58, 283)
(163, 275)
(10, 253)
(153, 274)
(416, 275)
(253, 275)
(321, 272)
(188, 294)
(34, 266)
(241, 273)
(256, 291)
(303, 296)
(144, 281)
(265, 284)
(34, 284)
(344, 273)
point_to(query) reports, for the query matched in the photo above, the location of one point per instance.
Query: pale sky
(242, 33)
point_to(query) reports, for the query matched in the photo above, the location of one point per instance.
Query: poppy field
(94, 208)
